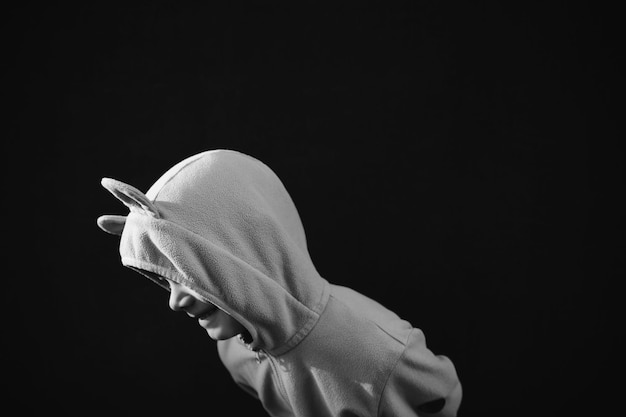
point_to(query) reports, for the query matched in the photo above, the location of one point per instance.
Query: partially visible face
(218, 324)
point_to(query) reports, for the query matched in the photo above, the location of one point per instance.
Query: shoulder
(354, 331)
(371, 313)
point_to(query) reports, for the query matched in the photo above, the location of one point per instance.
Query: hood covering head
(222, 223)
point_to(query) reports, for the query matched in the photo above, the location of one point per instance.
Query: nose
(179, 298)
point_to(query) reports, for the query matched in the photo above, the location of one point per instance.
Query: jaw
(221, 326)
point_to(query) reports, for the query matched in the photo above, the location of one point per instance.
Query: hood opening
(158, 279)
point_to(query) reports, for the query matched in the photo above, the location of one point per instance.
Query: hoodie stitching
(277, 377)
(393, 370)
(388, 333)
(182, 167)
(402, 343)
(191, 160)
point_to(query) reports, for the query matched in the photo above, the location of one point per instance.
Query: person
(221, 233)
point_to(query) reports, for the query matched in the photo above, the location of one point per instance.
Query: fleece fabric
(223, 224)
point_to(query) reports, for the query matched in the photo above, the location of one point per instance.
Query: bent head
(223, 224)
(218, 324)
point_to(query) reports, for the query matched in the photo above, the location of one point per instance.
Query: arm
(421, 384)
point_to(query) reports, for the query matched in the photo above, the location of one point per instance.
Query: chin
(221, 326)
(220, 334)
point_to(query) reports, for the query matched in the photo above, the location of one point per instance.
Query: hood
(222, 223)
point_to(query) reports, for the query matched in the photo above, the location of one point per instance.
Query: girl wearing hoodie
(221, 233)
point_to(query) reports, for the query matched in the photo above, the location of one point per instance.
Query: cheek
(231, 325)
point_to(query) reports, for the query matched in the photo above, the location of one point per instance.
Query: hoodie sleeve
(422, 384)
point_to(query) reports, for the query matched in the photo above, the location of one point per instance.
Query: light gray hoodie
(222, 223)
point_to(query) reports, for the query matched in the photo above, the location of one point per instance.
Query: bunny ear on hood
(112, 224)
(132, 198)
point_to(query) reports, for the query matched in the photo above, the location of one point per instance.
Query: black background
(458, 162)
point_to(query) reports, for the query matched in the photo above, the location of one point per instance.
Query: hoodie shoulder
(374, 312)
